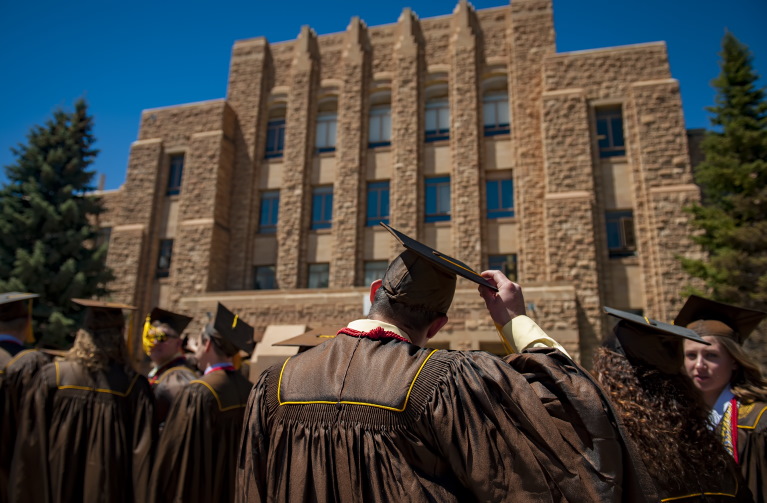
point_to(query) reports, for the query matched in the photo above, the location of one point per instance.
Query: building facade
(469, 132)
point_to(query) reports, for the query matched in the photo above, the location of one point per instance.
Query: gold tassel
(234, 322)
(506, 344)
(237, 361)
(146, 344)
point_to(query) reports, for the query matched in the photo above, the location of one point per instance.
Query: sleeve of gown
(524, 333)
(755, 466)
(144, 436)
(183, 462)
(30, 477)
(251, 461)
(546, 435)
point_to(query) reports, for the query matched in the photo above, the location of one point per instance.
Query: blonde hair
(96, 349)
(748, 383)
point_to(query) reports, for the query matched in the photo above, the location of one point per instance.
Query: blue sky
(124, 57)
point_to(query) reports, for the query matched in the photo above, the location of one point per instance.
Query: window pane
(386, 127)
(620, 233)
(175, 174)
(502, 109)
(264, 278)
(270, 202)
(617, 130)
(164, 258)
(318, 275)
(322, 207)
(431, 120)
(488, 112)
(275, 138)
(374, 270)
(493, 201)
(444, 118)
(504, 263)
(437, 199)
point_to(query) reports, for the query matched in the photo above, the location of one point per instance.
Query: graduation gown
(752, 447)
(199, 444)
(167, 384)
(363, 419)
(18, 365)
(84, 436)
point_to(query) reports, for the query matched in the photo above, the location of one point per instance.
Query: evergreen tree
(46, 215)
(732, 216)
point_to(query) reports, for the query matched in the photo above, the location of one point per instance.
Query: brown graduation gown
(752, 448)
(168, 383)
(18, 365)
(85, 437)
(198, 447)
(357, 419)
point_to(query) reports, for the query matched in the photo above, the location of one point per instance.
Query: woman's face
(709, 367)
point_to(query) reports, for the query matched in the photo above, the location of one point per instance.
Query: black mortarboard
(177, 322)
(103, 315)
(13, 305)
(423, 277)
(313, 337)
(234, 332)
(709, 317)
(649, 342)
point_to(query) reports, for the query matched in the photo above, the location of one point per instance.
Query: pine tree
(46, 213)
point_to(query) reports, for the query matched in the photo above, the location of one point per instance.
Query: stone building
(468, 131)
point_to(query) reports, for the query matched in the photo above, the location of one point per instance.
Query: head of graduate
(417, 289)
(226, 338)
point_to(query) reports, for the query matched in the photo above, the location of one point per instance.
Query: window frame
(322, 196)
(275, 133)
(500, 101)
(319, 268)
(380, 114)
(609, 119)
(273, 278)
(434, 186)
(165, 251)
(175, 174)
(270, 201)
(500, 211)
(508, 264)
(382, 192)
(619, 223)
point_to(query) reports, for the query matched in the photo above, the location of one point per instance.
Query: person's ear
(208, 342)
(435, 327)
(374, 286)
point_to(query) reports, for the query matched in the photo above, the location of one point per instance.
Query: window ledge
(503, 220)
(437, 143)
(631, 260)
(443, 223)
(321, 231)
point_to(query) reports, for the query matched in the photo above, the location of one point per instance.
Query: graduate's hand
(507, 303)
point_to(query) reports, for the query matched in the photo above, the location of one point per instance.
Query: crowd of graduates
(670, 412)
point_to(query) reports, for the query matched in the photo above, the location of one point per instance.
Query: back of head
(665, 417)
(418, 283)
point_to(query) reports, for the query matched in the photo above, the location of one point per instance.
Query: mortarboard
(312, 338)
(103, 315)
(423, 277)
(12, 305)
(649, 342)
(709, 317)
(177, 322)
(232, 330)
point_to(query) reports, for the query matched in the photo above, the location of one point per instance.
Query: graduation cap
(709, 317)
(13, 305)
(649, 342)
(312, 338)
(232, 331)
(103, 315)
(178, 322)
(423, 277)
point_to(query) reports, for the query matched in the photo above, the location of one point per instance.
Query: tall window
(437, 120)
(264, 277)
(378, 203)
(318, 275)
(275, 138)
(437, 117)
(374, 269)
(163, 258)
(621, 241)
(437, 199)
(507, 264)
(500, 198)
(175, 174)
(270, 205)
(322, 207)
(610, 131)
(327, 124)
(380, 126)
(495, 113)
